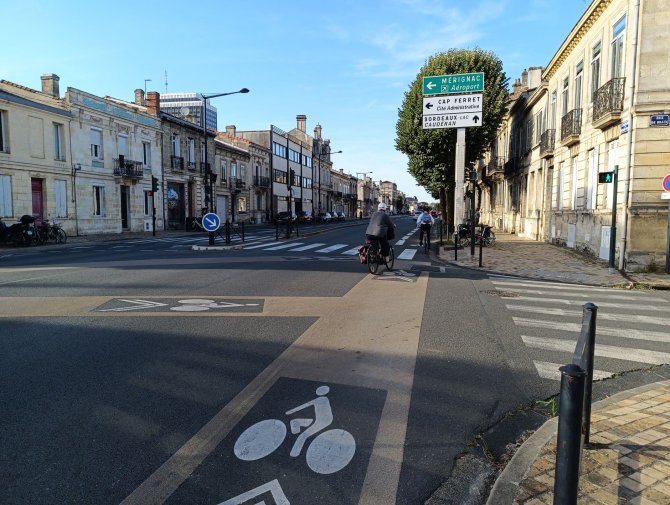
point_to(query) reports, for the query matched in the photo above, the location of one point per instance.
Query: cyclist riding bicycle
(424, 222)
(381, 228)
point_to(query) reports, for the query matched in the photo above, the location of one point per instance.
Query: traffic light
(606, 177)
(154, 184)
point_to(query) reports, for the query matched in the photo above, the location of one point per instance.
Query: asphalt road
(143, 371)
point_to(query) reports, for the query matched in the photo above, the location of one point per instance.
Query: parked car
(284, 217)
(323, 217)
(340, 216)
(305, 216)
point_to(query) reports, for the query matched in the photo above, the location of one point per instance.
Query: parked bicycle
(47, 231)
(372, 255)
(484, 233)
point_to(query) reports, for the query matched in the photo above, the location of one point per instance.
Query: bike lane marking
(374, 347)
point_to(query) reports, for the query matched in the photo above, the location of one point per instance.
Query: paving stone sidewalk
(523, 257)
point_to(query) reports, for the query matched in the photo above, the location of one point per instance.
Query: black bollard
(569, 439)
(481, 248)
(456, 246)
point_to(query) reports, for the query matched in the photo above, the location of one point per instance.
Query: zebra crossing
(631, 331)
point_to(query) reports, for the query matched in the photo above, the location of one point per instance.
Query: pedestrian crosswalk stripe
(609, 305)
(283, 246)
(265, 244)
(332, 248)
(633, 318)
(629, 333)
(307, 247)
(548, 370)
(580, 290)
(407, 254)
(604, 351)
(350, 252)
(580, 293)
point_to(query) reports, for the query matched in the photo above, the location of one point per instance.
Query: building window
(307, 161)
(176, 145)
(617, 48)
(538, 127)
(279, 176)
(279, 150)
(579, 77)
(60, 189)
(59, 143)
(96, 144)
(202, 151)
(592, 180)
(564, 97)
(294, 155)
(233, 169)
(243, 171)
(190, 159)
(552, 111)
(242, 204)
(148, 197)
(223, 171)
(146, 154)
(559, 189)
(4, 145)
(123, 146)
(595, 70)
(6, 196)
(98, 201)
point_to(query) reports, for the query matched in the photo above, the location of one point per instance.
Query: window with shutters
(59, 142)
(595, 71)
(60, 189)
(98, 201)
(96, 144)
(6, 196)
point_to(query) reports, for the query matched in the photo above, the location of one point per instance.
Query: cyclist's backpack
(425, 218)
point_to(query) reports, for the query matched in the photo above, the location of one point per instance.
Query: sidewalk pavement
(512, 255)
(628, 461)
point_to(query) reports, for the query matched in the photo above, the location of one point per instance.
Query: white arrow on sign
(139, 304)
(431, 85)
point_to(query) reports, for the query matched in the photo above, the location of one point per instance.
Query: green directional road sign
(605, 177)
(456, 83)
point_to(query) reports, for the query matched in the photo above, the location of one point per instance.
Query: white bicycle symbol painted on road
(327, 453)
(200, 305)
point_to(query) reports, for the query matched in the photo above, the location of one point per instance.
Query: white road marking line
(633, 318)
(400, 242)
(265, 244)
(407, 254)
(308, 247)
(350, 252)
(332, 248)
(579, 293)
(282, 246)
(605, 351)
(651, 336)
(548, 370)
(568, 287)
(609, 305)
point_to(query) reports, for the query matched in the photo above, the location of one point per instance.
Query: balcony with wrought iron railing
(128, 168)
(177, 162)
(608, 103)
(495, 166)
(237, 184)
(547, 143)
(261, 182)
(190, 165)
(571, 127)
(205, 167)
(511, 165)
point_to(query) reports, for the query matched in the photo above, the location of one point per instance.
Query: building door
(221, 206)
(38, 199)
(124, 207)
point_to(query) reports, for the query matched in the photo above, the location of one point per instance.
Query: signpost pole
(615, 179)
(667, 247)
(459, 189)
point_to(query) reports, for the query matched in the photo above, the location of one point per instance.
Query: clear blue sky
(344, 63)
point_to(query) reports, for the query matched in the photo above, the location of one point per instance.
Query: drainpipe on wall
(629, 151)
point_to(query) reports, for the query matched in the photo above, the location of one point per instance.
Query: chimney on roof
(302, 122)
(50, 85)
(139, 97)
(153, 102)
(524, 78)
(516, 86)
(231, 130)
(317, 131)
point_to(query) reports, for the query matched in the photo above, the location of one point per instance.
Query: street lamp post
(320, 155)
(365, 182)
(211, 177)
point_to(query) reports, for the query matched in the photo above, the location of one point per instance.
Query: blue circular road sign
(211, 221)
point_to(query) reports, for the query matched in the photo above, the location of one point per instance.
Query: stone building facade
(600, 107)
(36, 165)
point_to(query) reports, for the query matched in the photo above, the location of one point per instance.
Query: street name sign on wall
(659, 120)
(452, 120)
(455, 83)
(452, 104)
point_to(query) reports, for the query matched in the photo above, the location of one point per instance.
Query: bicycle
(374, 256)
(50, 231)
(426, 228)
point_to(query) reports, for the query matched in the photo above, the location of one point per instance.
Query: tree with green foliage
(432, 153)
